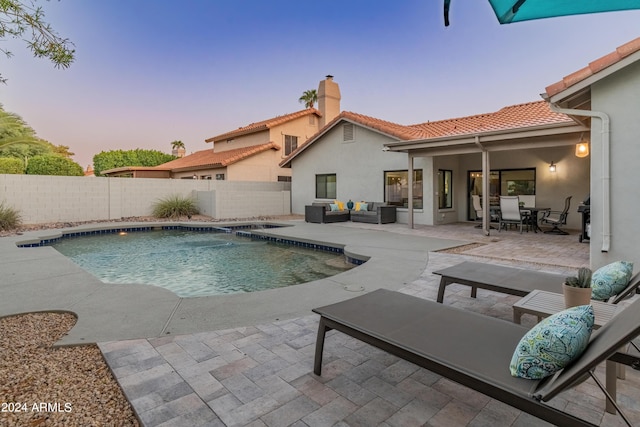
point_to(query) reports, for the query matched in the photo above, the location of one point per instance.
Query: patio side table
(543, 304)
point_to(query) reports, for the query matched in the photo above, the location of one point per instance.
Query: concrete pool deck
(41, 279)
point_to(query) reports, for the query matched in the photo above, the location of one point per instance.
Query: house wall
(572, 177)
(359, 167)
(617, 96)
(42, 199)
(256, 138)
(260, 167)
(300, 127)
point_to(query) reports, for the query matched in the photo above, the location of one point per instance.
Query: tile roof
(594, 67)
(264, 125)
(518, 116)
(209, 158)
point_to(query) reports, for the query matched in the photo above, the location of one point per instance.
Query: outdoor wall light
(582, 149)
(552, 167)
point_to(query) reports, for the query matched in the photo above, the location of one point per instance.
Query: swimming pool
(193, 263)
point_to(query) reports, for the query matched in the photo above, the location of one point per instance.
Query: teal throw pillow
(334, 207)
(553, 343)
(364, 206)
(610, 280)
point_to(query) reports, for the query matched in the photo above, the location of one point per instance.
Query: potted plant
(577, 289)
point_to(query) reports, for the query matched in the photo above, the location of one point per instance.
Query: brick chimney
(328, 100)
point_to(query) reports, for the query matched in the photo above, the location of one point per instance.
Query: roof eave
(503, 135)
(581, 86)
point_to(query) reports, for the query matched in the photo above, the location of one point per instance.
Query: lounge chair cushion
(610, 280)
(553, 343)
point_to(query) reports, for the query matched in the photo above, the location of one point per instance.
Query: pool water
(193, 264)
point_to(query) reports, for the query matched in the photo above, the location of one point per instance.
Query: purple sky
(149, 72)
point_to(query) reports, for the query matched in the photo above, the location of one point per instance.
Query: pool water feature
(192, 263)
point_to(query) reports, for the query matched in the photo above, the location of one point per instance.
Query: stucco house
(605, 95)
(252, 152)
(430, 170)
(364, 158)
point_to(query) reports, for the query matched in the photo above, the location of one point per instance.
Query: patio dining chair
(511, 214)
(557, 218)
(477, 207)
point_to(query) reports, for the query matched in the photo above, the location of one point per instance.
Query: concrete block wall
(41, 199)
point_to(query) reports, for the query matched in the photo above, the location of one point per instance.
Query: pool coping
(44, 280)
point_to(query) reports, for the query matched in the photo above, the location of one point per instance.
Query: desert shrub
(11, 165)
(175, 207)
(9, 217)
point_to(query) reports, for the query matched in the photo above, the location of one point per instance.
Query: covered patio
(489, 145)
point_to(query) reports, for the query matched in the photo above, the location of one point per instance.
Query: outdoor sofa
(376, 213)
(321, 213)
(472, 349)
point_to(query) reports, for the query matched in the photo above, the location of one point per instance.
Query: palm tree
(177, 144)
(308, 98)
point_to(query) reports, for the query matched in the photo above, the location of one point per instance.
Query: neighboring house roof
(519, 116)
(595, 67)
(210, 159)
(205, 159)
(264, 125)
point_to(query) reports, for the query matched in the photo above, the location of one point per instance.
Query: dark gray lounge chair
(472, 349)
(509, 280)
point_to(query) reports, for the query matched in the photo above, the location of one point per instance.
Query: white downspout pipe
(486, 217)
(606, 179)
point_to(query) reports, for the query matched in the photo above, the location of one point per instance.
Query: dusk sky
(149, 72)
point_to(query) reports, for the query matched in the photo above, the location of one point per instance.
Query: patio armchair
(511, 214)
(557, 218)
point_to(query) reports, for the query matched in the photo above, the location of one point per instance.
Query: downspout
(606, 179)
(486, 217)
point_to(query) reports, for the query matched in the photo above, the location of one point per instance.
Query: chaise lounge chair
(509, 280)
(471, 349)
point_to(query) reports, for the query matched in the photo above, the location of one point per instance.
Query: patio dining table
(533, 217)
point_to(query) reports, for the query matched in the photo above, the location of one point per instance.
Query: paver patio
(261, 375)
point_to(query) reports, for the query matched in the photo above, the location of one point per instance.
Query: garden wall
(41, 199)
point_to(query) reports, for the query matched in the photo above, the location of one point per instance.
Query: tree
(177, 144)
(18, 18)
(308, 98)
(118, 158)
(53, 165)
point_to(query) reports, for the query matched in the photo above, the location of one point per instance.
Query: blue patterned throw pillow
(553, 343)
(610, 280)
(334, 207)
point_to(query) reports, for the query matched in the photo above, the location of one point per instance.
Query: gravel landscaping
(45, 386)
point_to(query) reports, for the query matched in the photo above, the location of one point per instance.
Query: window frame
(443, 185)
(327, 191)
(418, 195)
(290, 144)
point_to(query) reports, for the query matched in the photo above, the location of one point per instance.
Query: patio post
(410, 192)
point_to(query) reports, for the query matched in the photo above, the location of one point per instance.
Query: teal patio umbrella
(508, 11)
